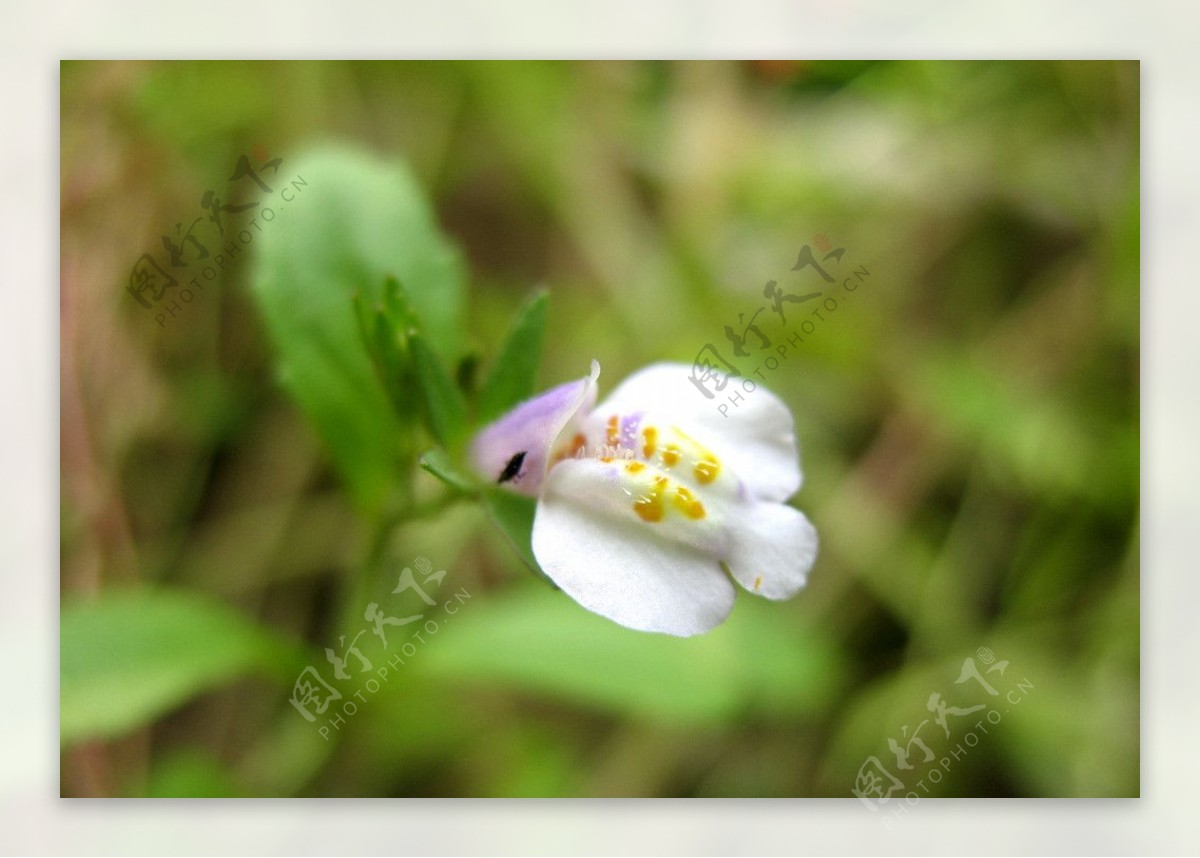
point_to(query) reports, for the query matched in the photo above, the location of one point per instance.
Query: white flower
(648, 503)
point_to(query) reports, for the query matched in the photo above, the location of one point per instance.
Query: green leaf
(128, 657)
(397, 307)
(391, 361)
(351, 223)
(383, 344)
(465, 374)
(538, 640)
(445, 410)
(438, 463)
(514, 374)
(513, 514)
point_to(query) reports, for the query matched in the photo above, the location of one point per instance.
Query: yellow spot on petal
(634, 467)
(757, 582)
(686, 503)
(613, 431)
(670, 456)
(650, 436)
(649, 507)
(707, 470)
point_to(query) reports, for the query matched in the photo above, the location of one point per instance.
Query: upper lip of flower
(649, 502)
(533, 429)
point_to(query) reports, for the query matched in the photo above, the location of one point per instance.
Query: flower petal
(757, 436)
(772, 548)
(516, 448)
(661, 576)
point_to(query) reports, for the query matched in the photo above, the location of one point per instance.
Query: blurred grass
(969, 420)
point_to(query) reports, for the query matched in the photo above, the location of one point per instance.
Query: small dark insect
(512, 468)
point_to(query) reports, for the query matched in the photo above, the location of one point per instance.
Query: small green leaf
(438, 463)
(513, 514)
(445, 409)
(514, 374)
(128, 657)
(465, 374)
(383, 333)
(397, 306)
(392, 363)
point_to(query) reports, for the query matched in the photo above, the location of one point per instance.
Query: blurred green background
(236, 488)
